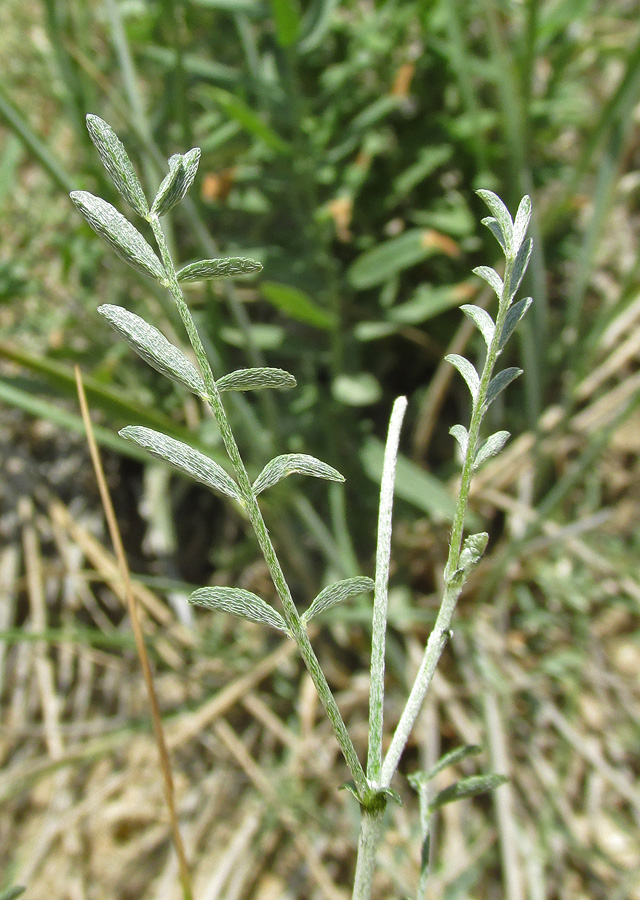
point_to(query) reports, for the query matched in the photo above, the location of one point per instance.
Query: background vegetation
(342, 143)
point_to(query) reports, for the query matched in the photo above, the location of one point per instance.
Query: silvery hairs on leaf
(460, 433)
(468, 372)
(516, 312)
(520, 264)
(491, 277)
(501, 216)
(521, 224)
(499, 382)
(219, 268)
(473, 550)
(184, 458)
(337, 593)
(153, 347)
(239, 602)
(494, 227)
(117, 163)
(482, 320)
(290, 463)
(256, 380)
(117, 231)
(491, 447)
(182, 171)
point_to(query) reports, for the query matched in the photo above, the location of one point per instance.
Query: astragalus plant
(371, 786)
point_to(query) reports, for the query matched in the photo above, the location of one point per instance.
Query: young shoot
(372, 788)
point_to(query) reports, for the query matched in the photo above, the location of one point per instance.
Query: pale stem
(381, 592)
(291, 616)
(370, 834)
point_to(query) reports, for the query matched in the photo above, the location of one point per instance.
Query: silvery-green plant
(371, 787)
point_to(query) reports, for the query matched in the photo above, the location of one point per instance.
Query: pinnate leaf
(241, 603)
(500, 382)
(515, 313)
(483, 321)
(182, 171)
(492, 446)
(290, 463)
(117, 231)
(256, 380)
(491, 277)
(184, 458)
(117, 163)
(501, 214)
(467, 787)
(467, 371)
(336, 593)
(219, 268)
(153, 347)
(460, 433)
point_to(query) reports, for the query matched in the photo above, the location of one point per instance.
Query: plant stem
(454, 580)
(381, 591)
(370, 834)
(371, 817)
(296, 628)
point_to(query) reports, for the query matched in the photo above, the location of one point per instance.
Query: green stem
(454, 582)
(296, 628)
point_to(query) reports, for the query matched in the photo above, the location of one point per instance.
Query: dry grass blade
(165, 763)
(233, 743)
(503, 798)
(193, 723)
(158, 616)
(44, 669)
(9, 561)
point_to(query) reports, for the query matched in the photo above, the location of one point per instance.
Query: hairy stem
(370, 834)
(380, 597)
